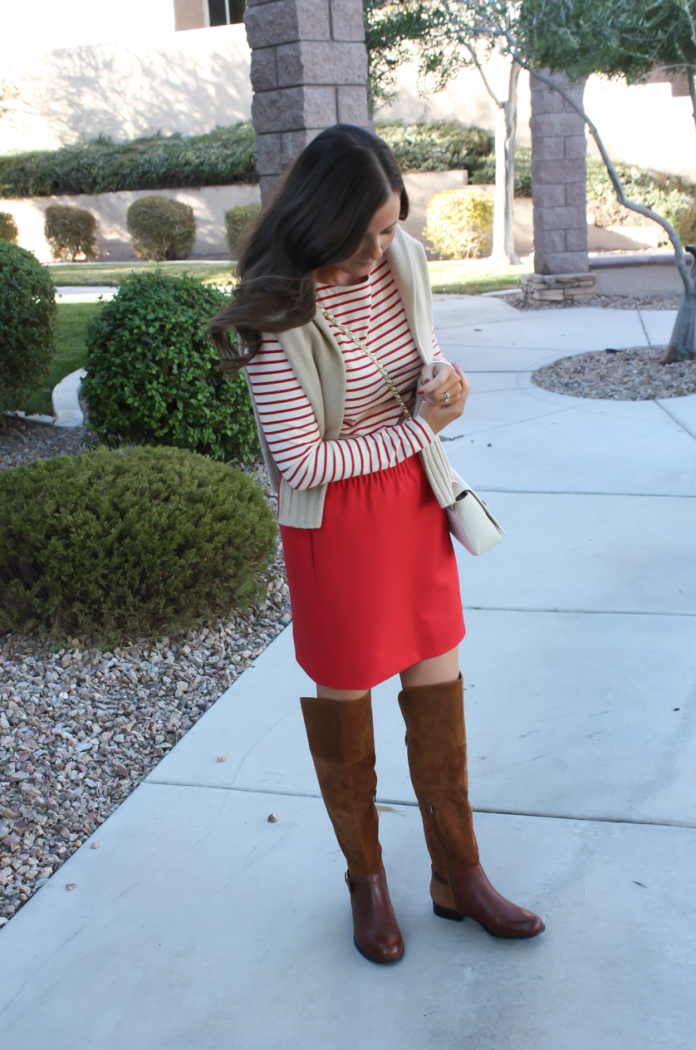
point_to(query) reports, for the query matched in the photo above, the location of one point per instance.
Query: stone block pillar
(558, 181)
(308, 71)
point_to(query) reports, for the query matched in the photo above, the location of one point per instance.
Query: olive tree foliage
(443, 46)
(541, 36)
(626, 40)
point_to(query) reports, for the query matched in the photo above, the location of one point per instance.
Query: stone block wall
(558, 181)
(308, 71)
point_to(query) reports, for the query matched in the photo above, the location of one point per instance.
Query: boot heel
(447, 913)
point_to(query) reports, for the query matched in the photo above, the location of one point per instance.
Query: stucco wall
(187, 82)
(113, 240)
(191, 81)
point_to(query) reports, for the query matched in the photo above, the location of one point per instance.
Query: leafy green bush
(153, 375)
(438, 145)
(237, 222)
(485, 171)
(218, 158)
(161, 228)
(133, 541)
(27, 324)
(669, 195)
(70, 232)
(460, 223)
(8, 227)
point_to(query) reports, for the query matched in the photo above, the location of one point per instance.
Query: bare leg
(444, 668)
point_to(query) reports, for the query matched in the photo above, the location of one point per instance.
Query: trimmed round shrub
(237, 222)
(153, 371)
(27, 324)
(460, 223)
(8, 227)
(70, 232)
(161, 228)
(129, 541)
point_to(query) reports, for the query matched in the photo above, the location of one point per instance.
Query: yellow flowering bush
(460, 223)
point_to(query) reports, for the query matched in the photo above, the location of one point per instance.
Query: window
(226, 12)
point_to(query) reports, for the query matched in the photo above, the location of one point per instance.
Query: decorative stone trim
(538, 287)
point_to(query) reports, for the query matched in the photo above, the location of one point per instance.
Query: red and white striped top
(371, 437)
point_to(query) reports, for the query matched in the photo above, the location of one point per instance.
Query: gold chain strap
(385, 375)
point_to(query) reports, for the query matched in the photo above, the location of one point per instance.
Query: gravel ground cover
(620, 375)
(21, 441)
(81, 725)
(610, 302)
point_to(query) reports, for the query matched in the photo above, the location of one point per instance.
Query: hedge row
(228, 155)
(219, 158)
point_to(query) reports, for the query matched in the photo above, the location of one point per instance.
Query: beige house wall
(191, 14)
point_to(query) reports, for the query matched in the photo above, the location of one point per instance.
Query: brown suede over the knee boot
(341, 741)
(436, 740)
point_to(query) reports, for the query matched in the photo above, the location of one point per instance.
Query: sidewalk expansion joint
(574, 612)
(576, 492)
(675, 420)
(538, 814)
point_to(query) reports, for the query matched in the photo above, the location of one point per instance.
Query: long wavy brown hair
(318, 218)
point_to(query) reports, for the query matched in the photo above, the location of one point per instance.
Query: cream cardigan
(316, 359)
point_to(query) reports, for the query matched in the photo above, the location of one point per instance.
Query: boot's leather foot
(472, 896)
(375, 930)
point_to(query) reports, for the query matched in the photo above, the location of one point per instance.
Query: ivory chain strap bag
(470, 520)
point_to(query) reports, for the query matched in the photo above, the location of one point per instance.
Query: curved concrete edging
(66, 404)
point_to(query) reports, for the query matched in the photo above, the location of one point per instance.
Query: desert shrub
(70, 232)
(161, 228)
(218, 158)
(131, 541)
(8, 227)
(237, 222)
(27, 324)
(153, 375)
(460, 223)
(438, 145)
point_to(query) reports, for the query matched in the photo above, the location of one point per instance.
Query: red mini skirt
(375, 589)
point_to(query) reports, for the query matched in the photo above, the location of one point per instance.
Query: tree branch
(511, 47)
(484, 78)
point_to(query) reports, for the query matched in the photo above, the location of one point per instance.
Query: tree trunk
(682, 343)
(503, 251)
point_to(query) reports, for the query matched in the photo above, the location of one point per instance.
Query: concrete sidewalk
(197, 925)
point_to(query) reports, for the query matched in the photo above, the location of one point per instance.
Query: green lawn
(77, 275)
(460, 276)
(73, 319)
(474, 276)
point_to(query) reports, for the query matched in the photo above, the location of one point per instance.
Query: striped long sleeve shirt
(371, 438)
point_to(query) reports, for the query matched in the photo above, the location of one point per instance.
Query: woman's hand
(436, 380)
(437, 409)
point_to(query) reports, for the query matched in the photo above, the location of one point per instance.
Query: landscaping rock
(82, 725)
(620, 375)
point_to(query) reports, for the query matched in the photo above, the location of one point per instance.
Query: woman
(350, 391)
